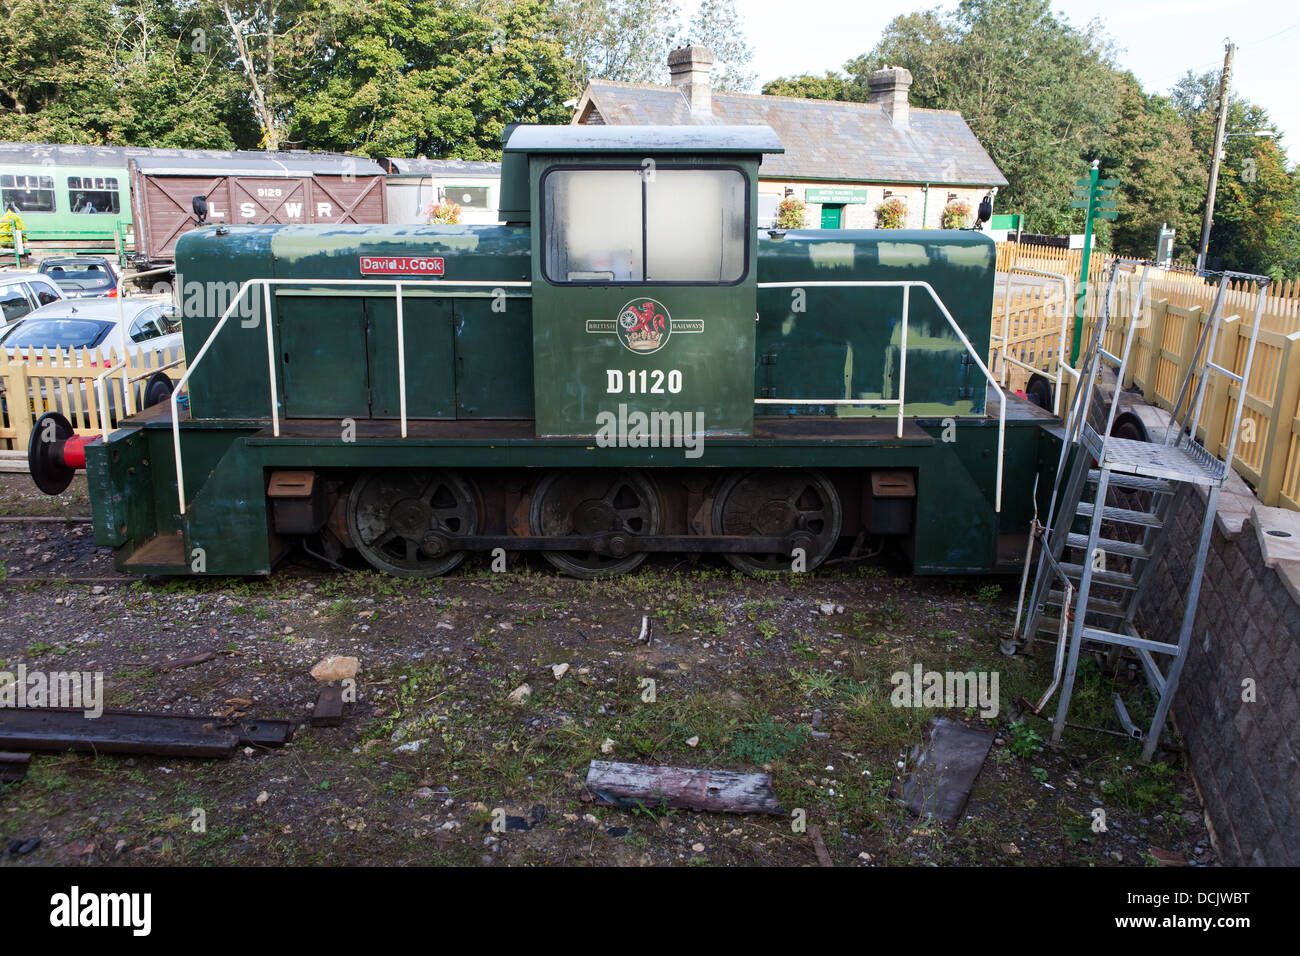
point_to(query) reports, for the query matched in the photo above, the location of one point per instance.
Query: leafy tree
(268, 44)
(1256, 224)
(431, 77)
(622, 40)
(1162, 178)
(832, 86)
(90, 71)
(718, 26)
(1038, 93)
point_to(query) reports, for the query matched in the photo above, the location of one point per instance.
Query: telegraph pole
(1225, 83)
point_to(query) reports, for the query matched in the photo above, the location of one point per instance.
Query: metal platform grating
(1185, 461)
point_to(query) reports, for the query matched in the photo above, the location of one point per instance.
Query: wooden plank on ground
(13, 767)
(944, 769)
(328, 711)
(121, 731)
(627, 785)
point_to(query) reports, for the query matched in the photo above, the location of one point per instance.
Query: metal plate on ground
(51, 729)
(944, 768)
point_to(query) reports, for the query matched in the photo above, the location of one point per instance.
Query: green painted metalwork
(553, 355)
(844, 343)
(63, 222)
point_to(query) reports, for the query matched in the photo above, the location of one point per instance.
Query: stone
(607, 745)
(693, 742)
(335, 668)
(559, 670)
(520, 693)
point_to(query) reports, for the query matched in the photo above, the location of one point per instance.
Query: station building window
(26, 193)
(468, 197)
(647, 226)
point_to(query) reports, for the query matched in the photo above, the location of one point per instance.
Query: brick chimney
(690, 67)
(888, 87)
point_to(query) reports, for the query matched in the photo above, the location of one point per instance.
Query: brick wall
(1243, 755)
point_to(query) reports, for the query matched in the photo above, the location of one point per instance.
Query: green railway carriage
(625, 366)
(67, 194)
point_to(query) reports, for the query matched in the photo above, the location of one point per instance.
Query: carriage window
(93, 193)
(27, 193)
(621, 225)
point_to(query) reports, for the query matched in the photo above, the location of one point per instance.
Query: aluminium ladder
(1089, 583)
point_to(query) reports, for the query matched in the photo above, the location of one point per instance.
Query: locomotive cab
(644, 274)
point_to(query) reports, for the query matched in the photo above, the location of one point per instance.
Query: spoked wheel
(591, 502)
(399, 520)
(775, 503)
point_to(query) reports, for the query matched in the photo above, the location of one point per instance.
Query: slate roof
(199, 161)
(651, 137)
(824, 139)
(464, 168)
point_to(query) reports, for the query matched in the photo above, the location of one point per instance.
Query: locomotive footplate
(617, 544)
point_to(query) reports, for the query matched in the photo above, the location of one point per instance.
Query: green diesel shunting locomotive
(626, 366)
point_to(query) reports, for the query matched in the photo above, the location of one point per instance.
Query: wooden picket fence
(37, 380)
(1177, 304)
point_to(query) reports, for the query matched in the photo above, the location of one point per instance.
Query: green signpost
(1098, 197)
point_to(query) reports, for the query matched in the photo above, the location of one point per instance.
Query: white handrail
(101, 389)
(1061, 365)
(904, 284)
(266, 284)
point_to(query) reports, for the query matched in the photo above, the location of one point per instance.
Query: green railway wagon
(625, 366)
(67, 195)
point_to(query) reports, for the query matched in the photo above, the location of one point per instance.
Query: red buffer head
(54, 453)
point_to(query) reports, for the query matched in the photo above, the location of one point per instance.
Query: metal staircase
(1113, 504)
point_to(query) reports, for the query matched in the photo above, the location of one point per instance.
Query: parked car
(22, 293)
(151, 324)
(82, 277)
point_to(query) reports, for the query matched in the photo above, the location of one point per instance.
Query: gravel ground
(787, 675)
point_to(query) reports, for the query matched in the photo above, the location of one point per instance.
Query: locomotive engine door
(430, 376)
(338, 355)
(322, 346)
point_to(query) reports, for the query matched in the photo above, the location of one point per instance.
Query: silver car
(22, 293)
(151, 325)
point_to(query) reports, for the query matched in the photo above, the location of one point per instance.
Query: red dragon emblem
(644, 326)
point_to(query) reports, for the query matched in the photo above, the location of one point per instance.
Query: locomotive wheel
(778, 502)
(589, 502)
(397, 520)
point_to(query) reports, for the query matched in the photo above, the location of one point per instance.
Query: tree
(718, 26)
(125, 74)
(1256, 224)
(1038, 93)
(431, 77)
(832, 86)
(1162, 179)
(622, 40)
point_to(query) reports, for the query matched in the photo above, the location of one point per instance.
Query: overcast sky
(1158, 41)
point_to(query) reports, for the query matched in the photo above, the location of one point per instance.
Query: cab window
(633, 225)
